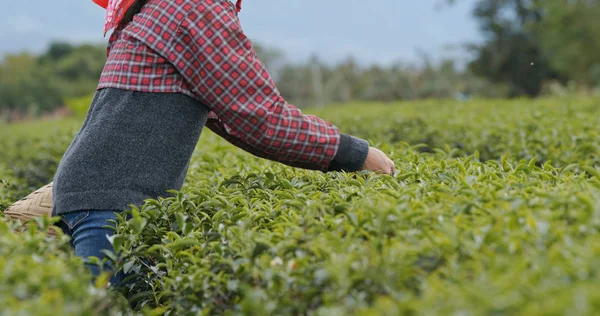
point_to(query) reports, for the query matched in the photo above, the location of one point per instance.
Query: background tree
(511, 54)
(38, 84)
(527, 43)
(569, 35)
(26, 86)
(530, 42)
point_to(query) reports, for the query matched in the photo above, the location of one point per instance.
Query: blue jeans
(89, 236)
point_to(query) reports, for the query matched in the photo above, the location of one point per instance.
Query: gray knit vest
(132, 146)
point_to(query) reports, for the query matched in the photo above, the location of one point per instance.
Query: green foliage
(77, 69)
(30, 155)
(39, 275)
(529, 43)
(528, 48)
(511, 54)
(68, 74)
(494, 211)
(561, 131)
(317, 84)
(26, 85)
(79, 105)
(443, 236)
(573, 50)
(39, 84)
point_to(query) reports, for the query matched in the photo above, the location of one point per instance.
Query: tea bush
(495, 210)
(443, 236)
(562, 131)
(40, 276)
(29, 155)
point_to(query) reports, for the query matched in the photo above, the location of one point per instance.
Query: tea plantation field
(495, 210)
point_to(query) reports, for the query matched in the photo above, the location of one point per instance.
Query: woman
(173, 67)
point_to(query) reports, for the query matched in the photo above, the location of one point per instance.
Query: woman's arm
(350, 156)
(221, 66)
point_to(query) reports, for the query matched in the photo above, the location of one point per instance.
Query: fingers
(389, 168)
(378, 162)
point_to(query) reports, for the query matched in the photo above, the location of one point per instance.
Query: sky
(373, 31)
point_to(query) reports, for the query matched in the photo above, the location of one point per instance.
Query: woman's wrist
(351, 155)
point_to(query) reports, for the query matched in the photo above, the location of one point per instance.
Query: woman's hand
(379, 162)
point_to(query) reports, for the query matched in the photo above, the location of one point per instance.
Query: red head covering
(115, 10)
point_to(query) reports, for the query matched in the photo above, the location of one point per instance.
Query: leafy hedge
(562, 131)
(444, 236)
(30, 153)
(39, 275)
(494, 211)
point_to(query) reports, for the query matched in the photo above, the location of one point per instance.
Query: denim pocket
(74, 218)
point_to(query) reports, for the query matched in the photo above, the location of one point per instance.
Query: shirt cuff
(351, 154)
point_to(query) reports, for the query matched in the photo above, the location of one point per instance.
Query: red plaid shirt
(198, 48)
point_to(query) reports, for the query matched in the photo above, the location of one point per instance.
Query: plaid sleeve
(222, 68)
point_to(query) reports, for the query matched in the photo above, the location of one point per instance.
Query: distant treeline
(36, 84)
(530, 42)
(39, 84)
(528, 45)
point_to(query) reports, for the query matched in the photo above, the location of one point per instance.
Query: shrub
(39, 275)
(494, 211)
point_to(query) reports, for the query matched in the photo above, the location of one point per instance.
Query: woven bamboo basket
(33, 206)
